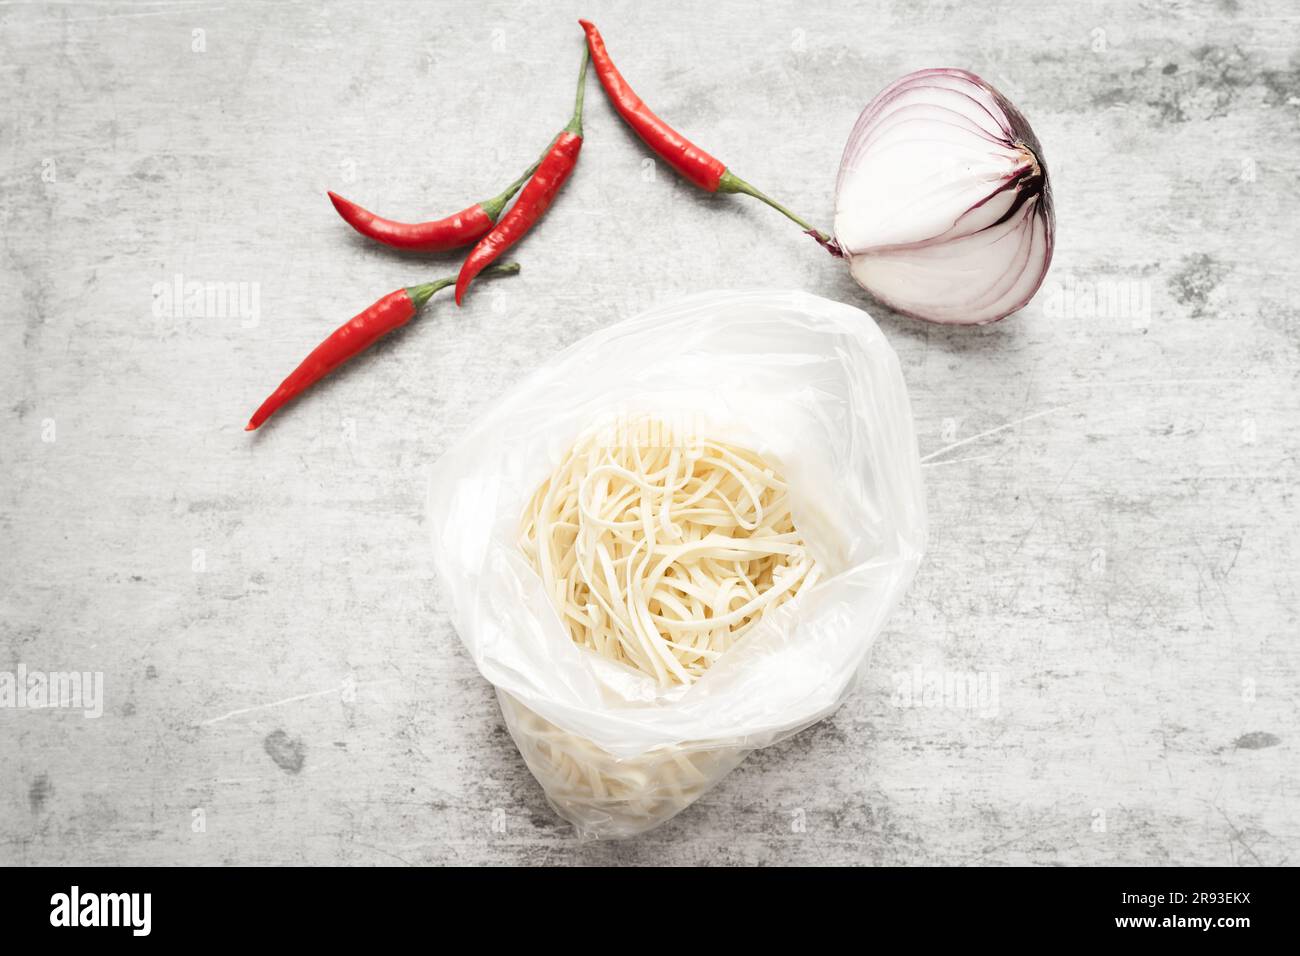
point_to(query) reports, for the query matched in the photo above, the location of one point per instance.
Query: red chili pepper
(673, 148)
(355, 336)
(467, 226)
(554, 169)
(699, 167)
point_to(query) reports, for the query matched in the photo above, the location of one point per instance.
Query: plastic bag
(809, 383)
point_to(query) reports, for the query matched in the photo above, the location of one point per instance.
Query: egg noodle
(599, 792)
(661, 548)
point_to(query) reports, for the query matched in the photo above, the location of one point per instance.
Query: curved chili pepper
(462, 228)
(552, 172)
(355, 336)
(676, 150)
(693, 163)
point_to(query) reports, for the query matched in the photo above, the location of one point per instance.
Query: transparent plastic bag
(809, 383)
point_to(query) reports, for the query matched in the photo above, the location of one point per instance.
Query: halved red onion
(942, 206)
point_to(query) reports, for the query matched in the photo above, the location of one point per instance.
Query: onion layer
(942, 206)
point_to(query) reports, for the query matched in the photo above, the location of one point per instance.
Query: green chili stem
(575, 124)
(420, 294)
(497, 204)
(731, 183)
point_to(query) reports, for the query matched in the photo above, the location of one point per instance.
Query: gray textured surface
(1121, 554)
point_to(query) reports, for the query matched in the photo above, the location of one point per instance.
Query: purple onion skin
(1023, 134)
(1016, 132)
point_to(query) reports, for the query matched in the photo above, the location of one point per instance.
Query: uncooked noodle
(661, 548)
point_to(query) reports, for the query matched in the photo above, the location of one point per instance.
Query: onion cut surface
(943, 206)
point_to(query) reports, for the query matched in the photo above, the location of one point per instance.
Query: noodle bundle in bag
(677, 541)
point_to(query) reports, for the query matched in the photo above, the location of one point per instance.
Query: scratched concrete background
(1110, 473)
